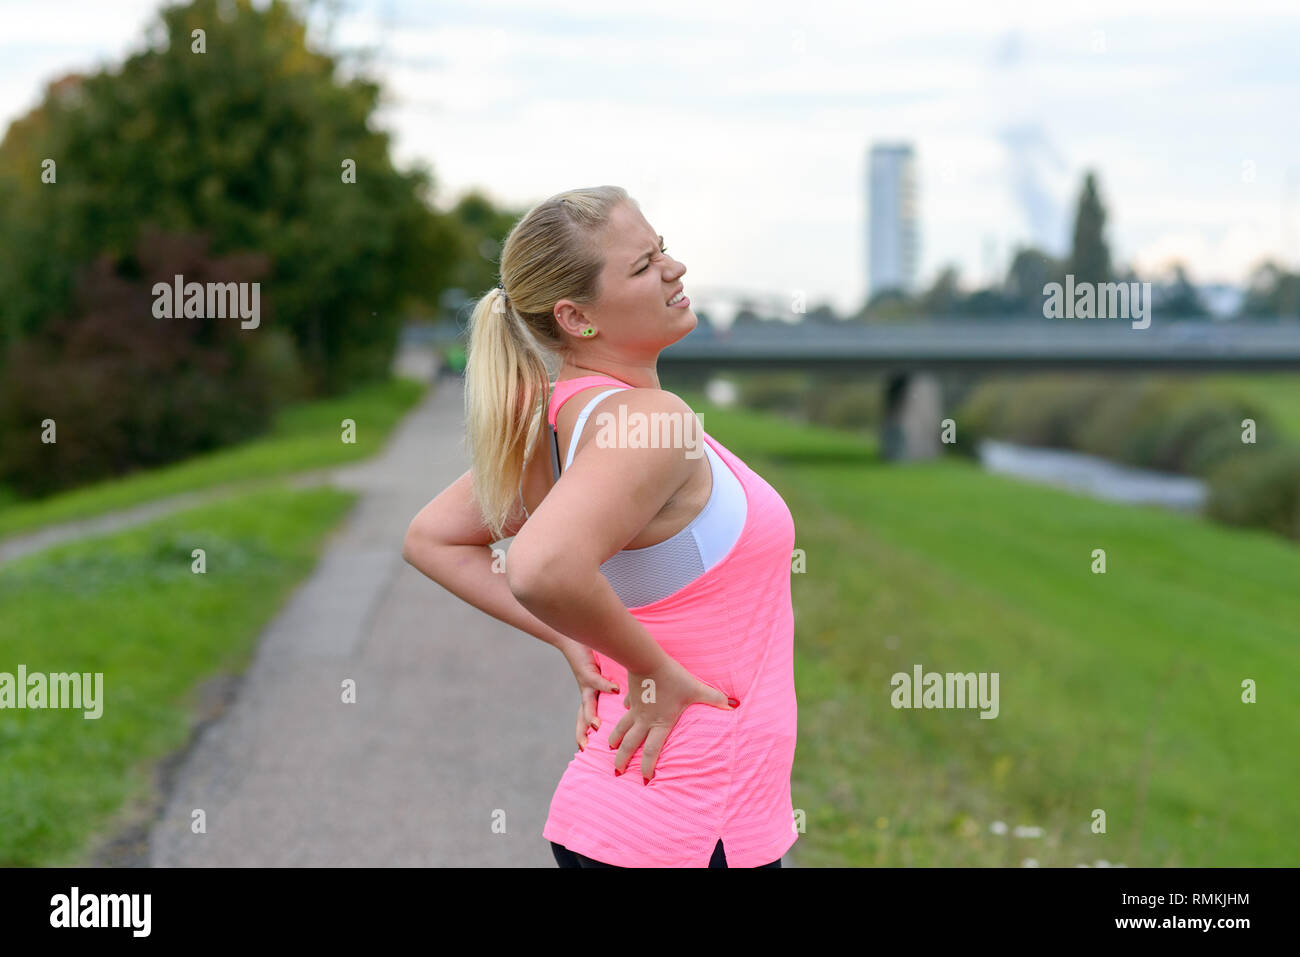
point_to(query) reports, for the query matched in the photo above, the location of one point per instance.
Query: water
(1094, 476)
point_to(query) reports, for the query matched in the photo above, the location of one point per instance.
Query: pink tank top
(721, 774)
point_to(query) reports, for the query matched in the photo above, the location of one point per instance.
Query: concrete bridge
(909, 354)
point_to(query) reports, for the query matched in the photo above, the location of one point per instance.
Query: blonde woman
(662, 573)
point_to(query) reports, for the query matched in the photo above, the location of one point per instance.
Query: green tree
(888, 305)
(246, 143)
(1179, 299)
(1089, 254)
(943, 298)
(1272, 292)
(1030, 270)
(481, 229)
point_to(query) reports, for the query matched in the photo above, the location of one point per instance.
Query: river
(1094, 476)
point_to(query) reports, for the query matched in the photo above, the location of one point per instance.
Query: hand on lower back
(655, 702)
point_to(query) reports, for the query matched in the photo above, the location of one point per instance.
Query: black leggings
(567, 858)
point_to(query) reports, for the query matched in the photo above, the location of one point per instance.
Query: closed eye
(662, 249)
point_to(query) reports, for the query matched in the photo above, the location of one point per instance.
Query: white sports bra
(640, 576)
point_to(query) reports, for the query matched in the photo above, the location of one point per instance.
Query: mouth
(679, 300)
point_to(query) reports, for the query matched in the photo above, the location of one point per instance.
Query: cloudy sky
(743, 127)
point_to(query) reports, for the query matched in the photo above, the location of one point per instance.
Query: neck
(640, 375)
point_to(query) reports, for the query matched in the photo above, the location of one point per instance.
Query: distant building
(891, 219)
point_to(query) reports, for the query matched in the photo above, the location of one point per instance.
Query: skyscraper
(892, 221)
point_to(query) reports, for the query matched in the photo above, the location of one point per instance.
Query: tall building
(892, 221)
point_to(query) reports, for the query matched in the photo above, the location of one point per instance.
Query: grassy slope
(1118, 691)
(304, 436)
(129, 606)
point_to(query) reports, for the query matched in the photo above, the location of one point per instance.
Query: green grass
(1279, 393)
(304, 436)
(782, 439)
(1118, 691)
(129, 606)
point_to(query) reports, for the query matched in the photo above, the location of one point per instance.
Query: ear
(570, 317)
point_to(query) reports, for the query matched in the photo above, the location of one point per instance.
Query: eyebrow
(645, 255)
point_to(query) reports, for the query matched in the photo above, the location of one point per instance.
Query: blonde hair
(554, 252)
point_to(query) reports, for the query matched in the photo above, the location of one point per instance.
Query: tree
(125, 389)
(943, 297)
(1030, 270)
(1272, 292)
(1090, 255)
(1178, 298)
(250, 143)
(481, 230)
(888, 304)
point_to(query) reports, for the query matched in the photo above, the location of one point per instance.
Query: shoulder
(654, 425)
(648, 401)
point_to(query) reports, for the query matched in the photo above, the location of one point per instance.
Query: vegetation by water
(1183, 424)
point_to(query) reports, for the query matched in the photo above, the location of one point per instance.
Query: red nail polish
(617, 772)
(733, 702)
(581, 748)
(611, 747)
(644, 779)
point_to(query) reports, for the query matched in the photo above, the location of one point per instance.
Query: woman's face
(632, 314)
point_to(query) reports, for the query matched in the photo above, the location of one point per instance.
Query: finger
(620, 729)
(588, 708)
(708, 694)
(580, 733)
(631, 741)
(654, 742)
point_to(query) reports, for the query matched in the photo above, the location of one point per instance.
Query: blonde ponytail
(554, 252)
(506, 378)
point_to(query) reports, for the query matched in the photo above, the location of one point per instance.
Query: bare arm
(448, 542)
(603, 499)
(553, 588)
(597, 507)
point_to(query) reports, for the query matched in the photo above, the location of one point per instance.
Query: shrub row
(1155, 423)
(126, 390)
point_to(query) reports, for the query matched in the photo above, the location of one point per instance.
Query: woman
(662, 573)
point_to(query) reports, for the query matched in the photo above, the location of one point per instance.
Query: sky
(743, 128)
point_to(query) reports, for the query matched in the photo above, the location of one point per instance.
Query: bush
(1201, 435)
(782, 392)
(845, 405)
(1259, 488)
(128, 390)
(1044, 410)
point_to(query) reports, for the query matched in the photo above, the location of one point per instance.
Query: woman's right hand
(655, 701)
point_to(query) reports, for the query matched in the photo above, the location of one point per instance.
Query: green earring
(589, 331)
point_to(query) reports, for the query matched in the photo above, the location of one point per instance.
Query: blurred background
(873, 204)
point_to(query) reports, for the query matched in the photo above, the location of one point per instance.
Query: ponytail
(506, 381)
(555, 252)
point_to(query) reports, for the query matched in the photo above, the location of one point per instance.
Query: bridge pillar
(912, 410)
